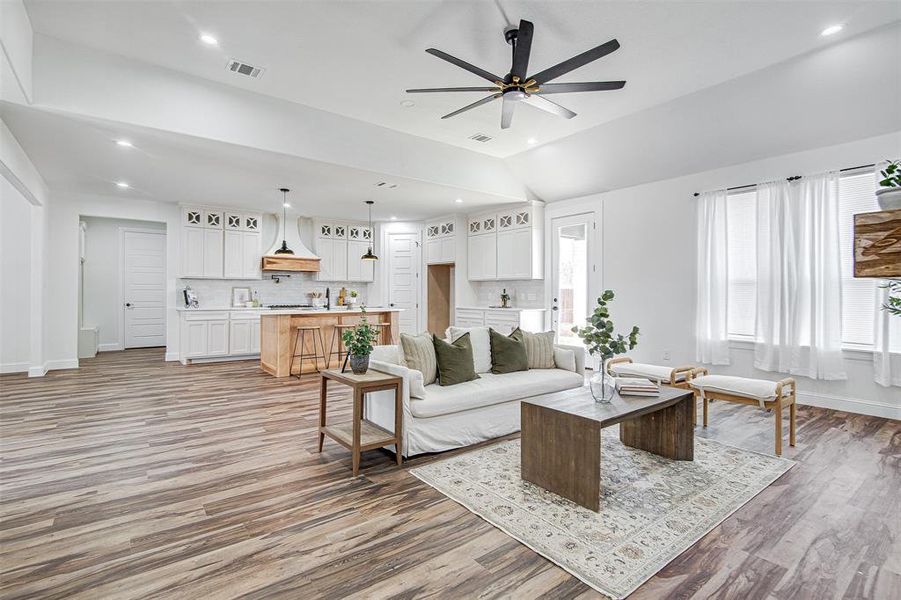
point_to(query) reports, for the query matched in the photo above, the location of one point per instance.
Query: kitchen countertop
(288, 311)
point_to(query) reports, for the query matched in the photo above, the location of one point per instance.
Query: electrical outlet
(666, 355)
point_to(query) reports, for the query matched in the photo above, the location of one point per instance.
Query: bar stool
(336, 345)
(382, 327)
(301, 333)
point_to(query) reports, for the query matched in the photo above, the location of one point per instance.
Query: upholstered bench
(767, 394)
(624, 367)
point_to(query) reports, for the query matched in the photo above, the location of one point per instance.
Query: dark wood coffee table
(561, 436)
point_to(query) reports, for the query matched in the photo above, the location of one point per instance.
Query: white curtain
(799, 312)
(712, 343)
(882, 356)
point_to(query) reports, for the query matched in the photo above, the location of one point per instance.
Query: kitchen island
(278, 331)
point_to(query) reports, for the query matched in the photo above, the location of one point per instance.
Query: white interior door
(571, 264)
(403, 279)
(144, 288)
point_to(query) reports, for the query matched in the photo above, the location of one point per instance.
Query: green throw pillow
(508, 354)
(455, 364)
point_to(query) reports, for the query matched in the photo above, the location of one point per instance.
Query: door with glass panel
(571, 264)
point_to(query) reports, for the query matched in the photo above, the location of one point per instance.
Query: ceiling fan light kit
(516, 87)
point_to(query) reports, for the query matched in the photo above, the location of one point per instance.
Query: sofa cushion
(508, 354)
(655, 372)
(481, 345)
(492, 389)
(419, 355)
(455, 364)
(756, 389)
(539, 347)
(565, 358)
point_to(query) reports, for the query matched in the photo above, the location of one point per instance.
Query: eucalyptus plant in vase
(359, 342)
(601, 342)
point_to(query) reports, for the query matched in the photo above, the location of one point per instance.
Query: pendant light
(369, 255)
(284, 249)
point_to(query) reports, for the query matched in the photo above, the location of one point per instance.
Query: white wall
(103, 276)
(16, 42)
(61, 316)
(15, 278)
(649, 237)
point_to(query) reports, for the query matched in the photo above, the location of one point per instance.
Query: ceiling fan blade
(507, 112)
(548, 106)
(464, 65)
(575, 62)
(522, 50)
(484, 100)
(593, 86)
(453, 89)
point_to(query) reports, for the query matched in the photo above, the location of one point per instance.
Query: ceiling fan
(516, 87)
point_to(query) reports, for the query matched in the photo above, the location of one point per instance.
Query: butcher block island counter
(278, 330)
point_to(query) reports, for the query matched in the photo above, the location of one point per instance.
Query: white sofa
(467, 413)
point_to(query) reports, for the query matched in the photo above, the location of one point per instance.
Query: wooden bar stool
(336, 344)
(381, 327)
(314, 332)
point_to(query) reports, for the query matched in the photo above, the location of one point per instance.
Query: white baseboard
(65, 363)
(109, 347)
(38, 371)
(852, 405)
(215, 359)
(171, 356)
(20, 367)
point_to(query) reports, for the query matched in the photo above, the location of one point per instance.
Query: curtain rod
(792, 178)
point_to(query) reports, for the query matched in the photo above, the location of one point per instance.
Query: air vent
(481, 137)
(241, 68)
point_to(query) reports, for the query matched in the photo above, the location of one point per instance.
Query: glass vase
(601, 387)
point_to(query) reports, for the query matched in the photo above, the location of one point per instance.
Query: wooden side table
(360, 434)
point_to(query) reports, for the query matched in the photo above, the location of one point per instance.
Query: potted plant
(893, 306)
(353, 297)
(358, 342)
(601, 342)
(889, 192)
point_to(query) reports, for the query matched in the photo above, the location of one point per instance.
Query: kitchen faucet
(328, 300)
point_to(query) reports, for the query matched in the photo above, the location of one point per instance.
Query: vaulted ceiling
(702, 77)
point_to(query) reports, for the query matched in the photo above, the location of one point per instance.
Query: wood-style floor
(135, 478)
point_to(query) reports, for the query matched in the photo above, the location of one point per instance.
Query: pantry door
(143, 287)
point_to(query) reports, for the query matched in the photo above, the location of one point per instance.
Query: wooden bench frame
(782, 400)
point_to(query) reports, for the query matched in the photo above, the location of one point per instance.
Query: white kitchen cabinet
(212, 253)
(255, 337)
(517, 238)
(340, 244)
(358, 269)
(440, 241)
(502, 320)
(218, 334)
(192, 252)
(242, 255)
(193, 340)
(482, 261)
(239, 337)
(218, 338)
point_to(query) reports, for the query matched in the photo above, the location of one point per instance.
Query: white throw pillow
(481, 345)
(419, 355)
(565, 359)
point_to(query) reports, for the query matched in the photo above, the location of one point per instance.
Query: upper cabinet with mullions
(440, 241)
(507, 245)
(220, 243)
(340, 246)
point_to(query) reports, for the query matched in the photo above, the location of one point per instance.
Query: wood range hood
(301, 261)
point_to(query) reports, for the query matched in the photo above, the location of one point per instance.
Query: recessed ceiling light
(532, 141)
(393, 218)
(123, 185)
(124, 143)
(209, 40)
(407, 103)
(459, 200)
(832, 30)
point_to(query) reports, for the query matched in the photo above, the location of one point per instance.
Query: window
(741, 240)
(857, 194)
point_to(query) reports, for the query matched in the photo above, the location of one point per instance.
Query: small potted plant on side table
(889, 192)
(358, 342)
(601, 342)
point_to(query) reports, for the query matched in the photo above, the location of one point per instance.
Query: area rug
(652, 508)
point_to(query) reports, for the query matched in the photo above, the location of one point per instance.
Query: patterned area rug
(652, 508)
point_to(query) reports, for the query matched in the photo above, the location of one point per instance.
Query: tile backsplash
(523, 294)
(215, 293)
